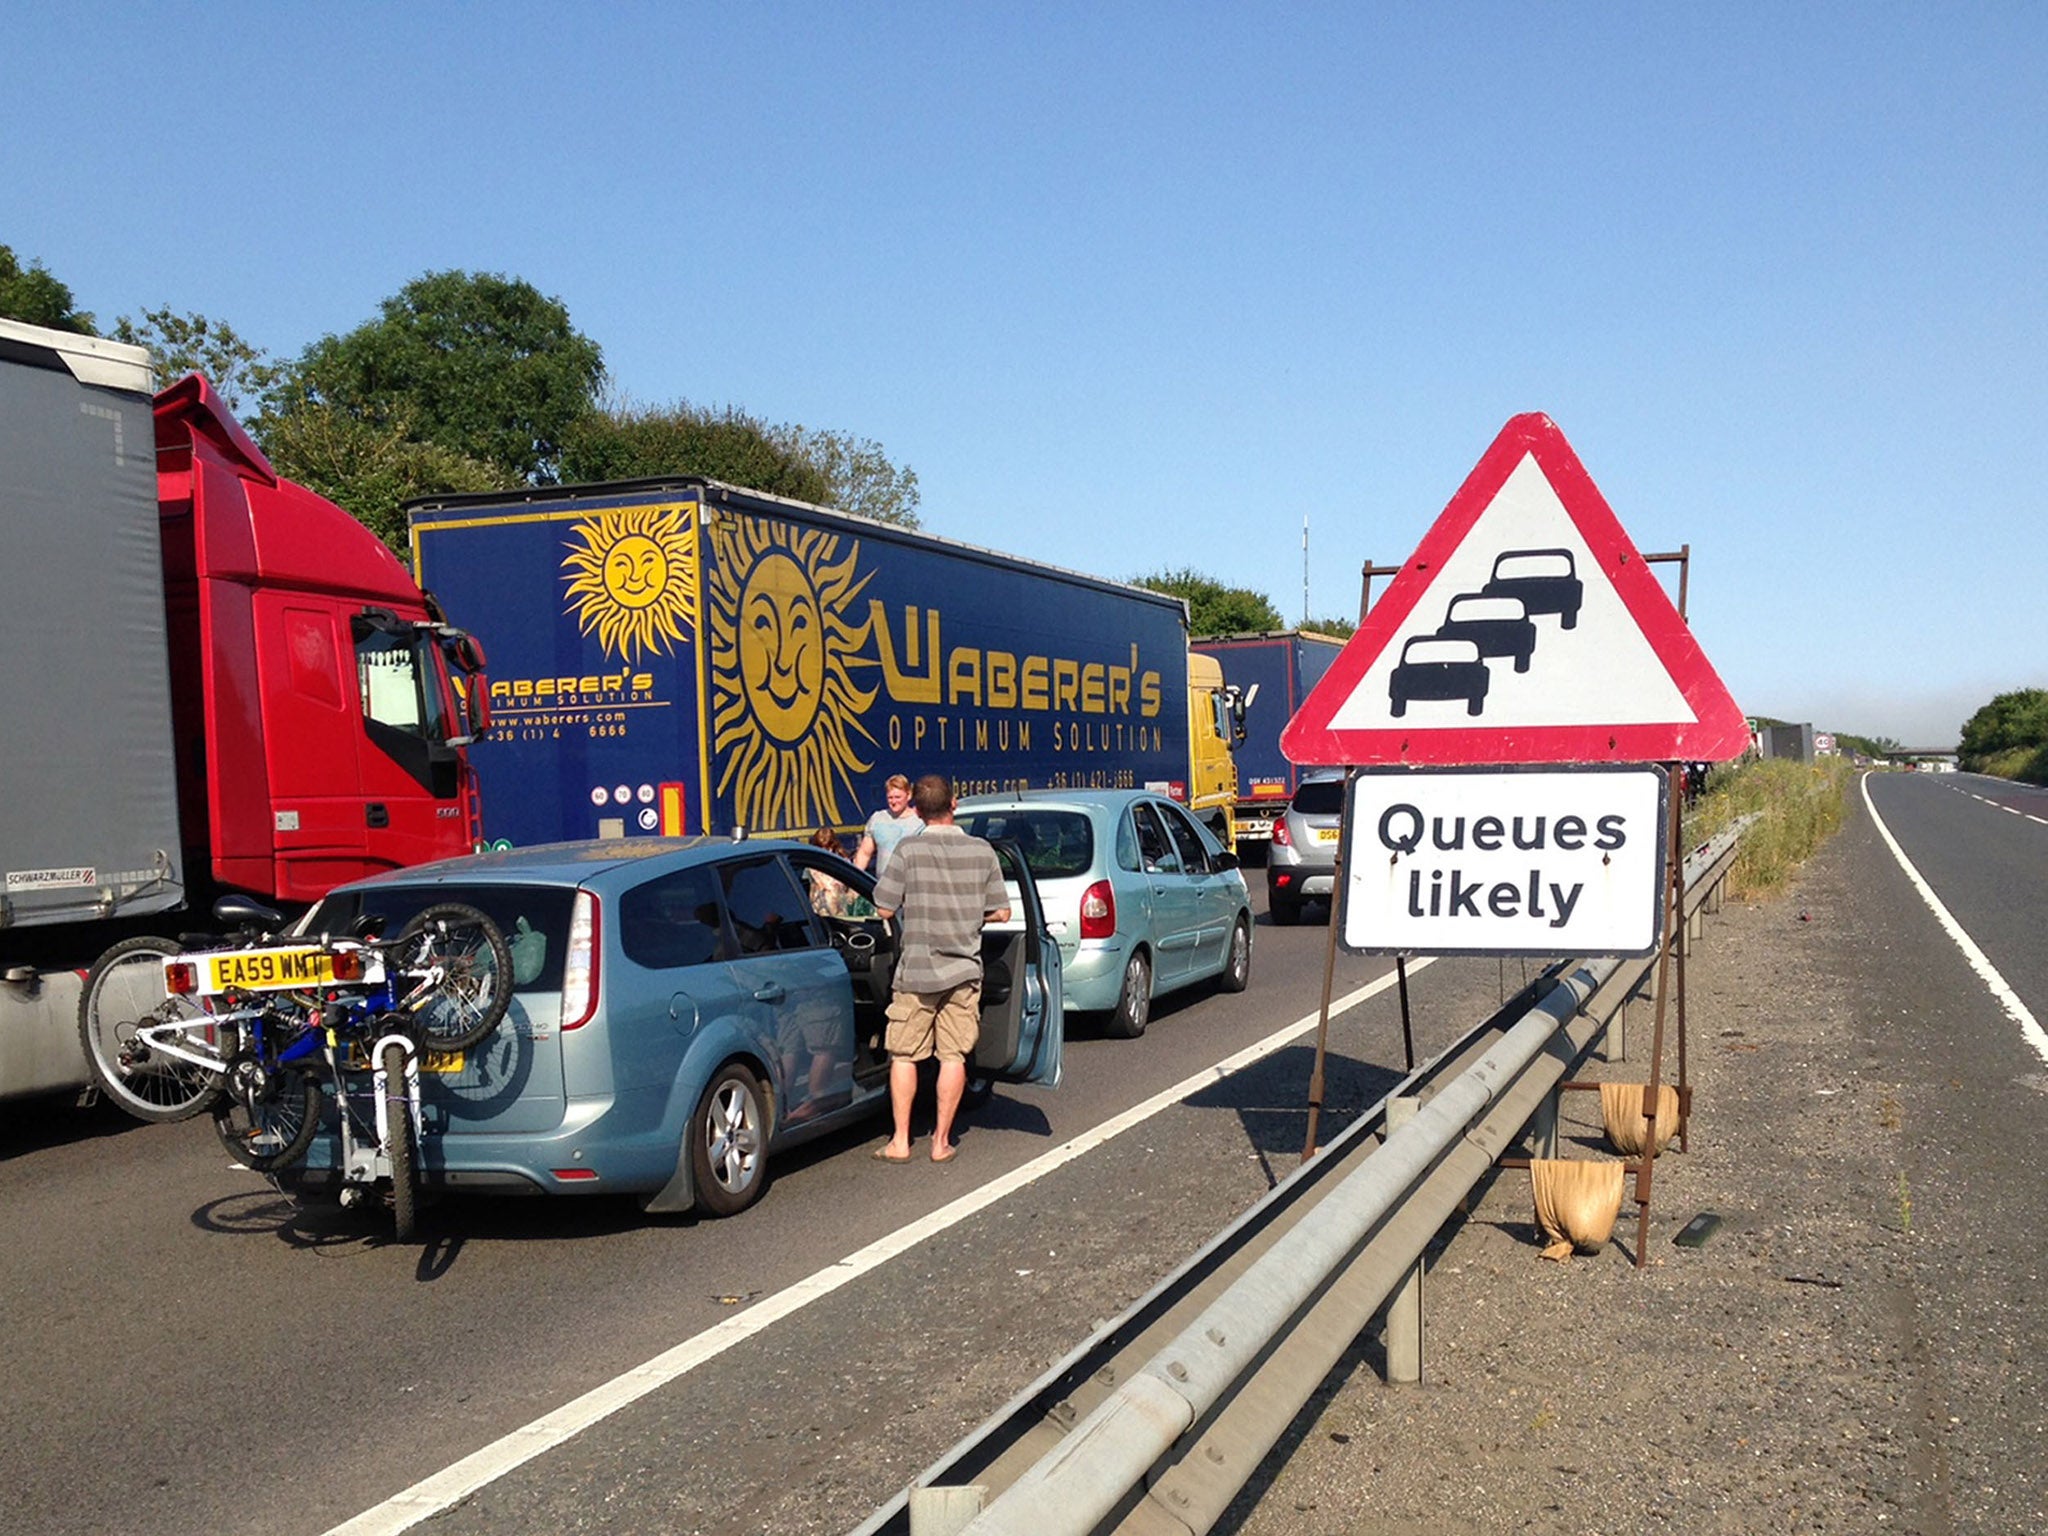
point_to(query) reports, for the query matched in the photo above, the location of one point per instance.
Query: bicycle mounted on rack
(261, 1031)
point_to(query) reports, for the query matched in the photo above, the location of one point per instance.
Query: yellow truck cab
(1215, 727)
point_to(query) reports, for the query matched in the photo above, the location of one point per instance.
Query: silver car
(1141, 896)
(1301, 866)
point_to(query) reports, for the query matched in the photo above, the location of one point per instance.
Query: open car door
(1023, 1017)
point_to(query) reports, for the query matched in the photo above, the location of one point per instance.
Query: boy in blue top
(885, 829)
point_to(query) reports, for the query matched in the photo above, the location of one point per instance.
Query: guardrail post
(1404, 1306)
(1543, 1134)
(944, 1511)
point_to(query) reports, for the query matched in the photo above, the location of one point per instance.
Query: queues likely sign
(1504, 861)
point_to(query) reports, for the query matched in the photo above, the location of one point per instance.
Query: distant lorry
(213, 681)
(678, 656)
(1270, 673)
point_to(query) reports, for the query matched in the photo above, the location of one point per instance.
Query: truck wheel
(125, 995)
(1133, 1008)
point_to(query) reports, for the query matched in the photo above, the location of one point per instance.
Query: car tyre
(980, 1089)
(729, 1142)
(1286, 910)
(1237, 972)
(1133, 1008)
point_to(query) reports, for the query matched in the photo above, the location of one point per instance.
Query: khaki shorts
(942, 1024)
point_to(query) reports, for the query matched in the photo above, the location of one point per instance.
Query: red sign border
(1719, 732)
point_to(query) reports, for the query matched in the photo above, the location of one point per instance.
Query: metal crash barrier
(1158, 1420)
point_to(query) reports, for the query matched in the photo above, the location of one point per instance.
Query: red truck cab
(319, 703)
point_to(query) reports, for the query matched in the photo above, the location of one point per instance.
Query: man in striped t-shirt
(944, 885)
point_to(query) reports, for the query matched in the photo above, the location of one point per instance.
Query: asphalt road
(180, 1335)
(188, 1351)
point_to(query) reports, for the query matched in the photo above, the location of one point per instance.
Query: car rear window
(534, 919)
(1320, 797)
(1056, 844)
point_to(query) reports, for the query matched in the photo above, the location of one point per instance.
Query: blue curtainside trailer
(677, 656)
(1282, 665)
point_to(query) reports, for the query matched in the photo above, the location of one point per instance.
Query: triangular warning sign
(1526, 628)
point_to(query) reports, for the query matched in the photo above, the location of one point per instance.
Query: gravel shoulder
(1855, 1349)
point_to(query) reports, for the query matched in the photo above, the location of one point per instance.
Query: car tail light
(579, 965)
(1098, 911)
(1280, 833)
(348, 964)
(181, 978)
(1282, 879)
(574, 1175)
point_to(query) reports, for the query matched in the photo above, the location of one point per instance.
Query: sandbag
(1621, 1108)
(1577, 1200)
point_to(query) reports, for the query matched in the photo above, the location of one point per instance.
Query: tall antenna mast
(1304, 570)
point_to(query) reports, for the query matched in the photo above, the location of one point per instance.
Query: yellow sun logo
(784, 646)
(633, 579)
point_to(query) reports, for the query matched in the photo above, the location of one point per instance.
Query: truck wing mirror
(473, 693)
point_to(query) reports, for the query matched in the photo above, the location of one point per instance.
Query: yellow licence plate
(430, 1061)
(268, 970)
(1329, 834)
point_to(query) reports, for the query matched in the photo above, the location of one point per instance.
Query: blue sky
(1135, 287)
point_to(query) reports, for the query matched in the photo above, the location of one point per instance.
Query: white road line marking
(2009, 1000)
(431, 1495)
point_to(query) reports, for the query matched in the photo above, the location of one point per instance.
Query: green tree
(1343, 629)
(180, 344)
(479, 364)
(370, 468)
(2012, 725)
(1213, 608)
(36, 297)
(858, 475)
(629, 442)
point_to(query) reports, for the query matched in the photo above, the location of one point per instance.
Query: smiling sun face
(632, 579)
(785, 710)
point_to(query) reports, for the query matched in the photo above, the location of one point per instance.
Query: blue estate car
(1141, 896)
(681, 1012)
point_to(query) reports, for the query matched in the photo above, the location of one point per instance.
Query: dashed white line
(2009, 1000)
(431, 1495)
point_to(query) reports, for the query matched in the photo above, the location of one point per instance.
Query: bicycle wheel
(454, 972)
(398, 1142)
(266, 1116)
(124, 994)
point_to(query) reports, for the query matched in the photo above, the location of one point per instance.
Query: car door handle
(772, 993)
